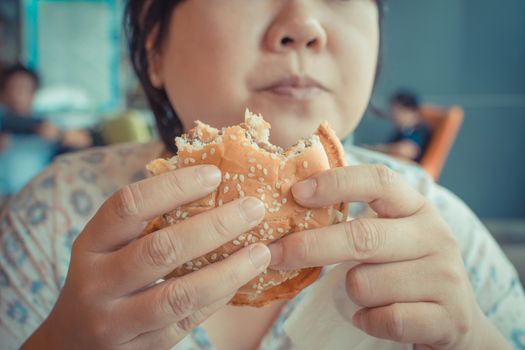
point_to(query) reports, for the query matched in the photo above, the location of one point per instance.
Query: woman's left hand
(409, 279)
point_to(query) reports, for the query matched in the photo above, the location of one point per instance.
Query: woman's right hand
(110, 299)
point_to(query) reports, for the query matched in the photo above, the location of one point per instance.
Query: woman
(296, 62)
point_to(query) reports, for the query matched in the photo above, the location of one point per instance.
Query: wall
(471, 53)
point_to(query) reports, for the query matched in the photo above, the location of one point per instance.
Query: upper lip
(295, 81)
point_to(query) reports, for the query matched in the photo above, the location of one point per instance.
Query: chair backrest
(444, 126)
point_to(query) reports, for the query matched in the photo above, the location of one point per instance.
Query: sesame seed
(241, 193)
(184, 215)
(214, 256)
(189, 263)
(260, 190)
(226, 189)
(251, 160)
(241, 238)
(270, 231)
(204, 155)
(259, 166)
(275, 195)
(192, 160)
(233, 137)
(198, 263)
(305, 164)
(212, 151)
(265, 171)
(235, 177)
(250, 237)
(177, 213)
(278, 186)
(241, 177)
(211, 202)
(252, 169)
(269, 187)
(280, 230)
(227, 176)
(238, 187)
(284, 201)
(195, 269)
(266, 226)
(236, 242)
(262, 197)
(261, 279)
(261, 231)
(271, 237)
(225, 255)
(261, 179)
(251, 175)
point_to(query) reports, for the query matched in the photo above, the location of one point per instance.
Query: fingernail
(276, 249)
(252, 209)
(304, 189)
(259, 255)
(209, 175)
(356, 319)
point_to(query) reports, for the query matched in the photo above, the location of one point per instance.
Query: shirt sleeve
(494, 280)
(29, 284)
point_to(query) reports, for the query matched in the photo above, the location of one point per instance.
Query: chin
(293, 121)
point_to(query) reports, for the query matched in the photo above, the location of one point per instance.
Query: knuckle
(340, 178)
(175, 185)
(303, 248)
(363, 237)
(394, 323)
(180, 297)
(160, 250)
(385, 176)
(186, 325)
(220, 225)
(128, 201)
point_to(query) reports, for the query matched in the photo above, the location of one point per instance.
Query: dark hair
(13, 70)
(141, 18)
(405, 98)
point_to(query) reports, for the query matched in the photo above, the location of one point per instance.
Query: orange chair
(444, 126)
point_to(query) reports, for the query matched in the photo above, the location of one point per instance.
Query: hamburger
(252, 166)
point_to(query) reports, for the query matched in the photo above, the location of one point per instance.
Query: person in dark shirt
(412, 134)
(18, 86)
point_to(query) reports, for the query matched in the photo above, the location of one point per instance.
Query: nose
(296, 28)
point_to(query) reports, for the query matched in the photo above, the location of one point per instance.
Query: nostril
(311, 43)
(286, 40)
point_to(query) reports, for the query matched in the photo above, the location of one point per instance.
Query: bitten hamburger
(252, 166)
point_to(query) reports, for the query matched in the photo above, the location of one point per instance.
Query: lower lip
(298, 93)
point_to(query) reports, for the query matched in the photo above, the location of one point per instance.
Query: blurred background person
(412, 134)
(28, 142)
(18, 86)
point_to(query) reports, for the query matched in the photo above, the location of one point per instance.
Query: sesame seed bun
(251, 166)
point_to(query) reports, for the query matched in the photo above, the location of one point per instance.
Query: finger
(167, 337)
(385, 191)
(361, 240)
(145, 260)
(124, 215)
(178, 298)
(370, 285)
(410, 323)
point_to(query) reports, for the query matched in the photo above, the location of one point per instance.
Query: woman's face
(297, 62)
